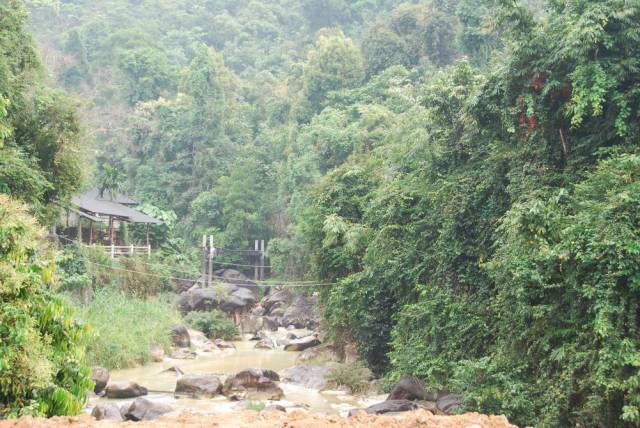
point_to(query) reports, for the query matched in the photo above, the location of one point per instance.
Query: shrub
(41, 346)
(214, 324)
(126, 326)
(353, 376)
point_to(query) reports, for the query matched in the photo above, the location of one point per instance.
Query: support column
(204, 260)
(255, 260)
(262, 259)
(210, 255)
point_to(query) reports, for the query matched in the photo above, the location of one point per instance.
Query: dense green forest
(464, 172)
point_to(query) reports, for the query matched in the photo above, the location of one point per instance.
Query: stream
(161, 383)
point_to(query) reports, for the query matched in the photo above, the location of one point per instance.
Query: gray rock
(450, 403)
(266, 343)
(279, 298)
(125, 390)
(144, 410)
(303, 343)
(389, 406)
(257, 311)
(175, 370)
(107, 411)
(409, 388)
(183, 354)
(180, 337)
(261, 335)
(224, 344)
(270, 323)
(274, 408)
(302, 313)
(253, 384)
(325, 353)
(100, 377)
(238, 298)
(199, 299)
(198, 386)
(309, 376)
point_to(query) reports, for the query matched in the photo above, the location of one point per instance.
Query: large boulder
(201, 342)
(253, 384)
(252, 324)
(107, 411)
(228, 297)
(309, 376)
(100, 378)
(125, 390)
(180, 336)
(270, 323)
(303, 343)
(302, 313)
(450, 403)
(237, 298)
(321, 353)
(389, 406)
(198, 386)
(199, 299)
(410, 388)
(144, 410)
(279, 298)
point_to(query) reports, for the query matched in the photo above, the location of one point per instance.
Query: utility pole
(262, 259)
(211, 250)
(204, 260)
(255, 259)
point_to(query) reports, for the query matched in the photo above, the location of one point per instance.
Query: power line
(256, 283)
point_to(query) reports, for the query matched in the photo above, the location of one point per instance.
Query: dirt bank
(295, 419)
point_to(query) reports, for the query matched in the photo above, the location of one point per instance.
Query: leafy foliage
(41, 345)
(214, 324)
(463, 172)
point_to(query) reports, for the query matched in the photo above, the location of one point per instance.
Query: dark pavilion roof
(95, 205)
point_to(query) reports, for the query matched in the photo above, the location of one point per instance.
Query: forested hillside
(465, 173)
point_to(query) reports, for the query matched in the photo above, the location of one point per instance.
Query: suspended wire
(256, 283)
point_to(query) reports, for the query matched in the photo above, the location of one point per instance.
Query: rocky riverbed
(278, 373)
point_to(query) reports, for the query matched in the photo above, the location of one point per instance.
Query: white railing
(125, 250)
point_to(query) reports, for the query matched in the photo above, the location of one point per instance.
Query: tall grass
(124, 327)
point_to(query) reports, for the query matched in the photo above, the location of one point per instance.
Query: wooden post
(254, 258)
(91, 232)
(147, 233)
(111, 230)
(131, 250)
(79, 229)
(262, 259)
(148, 251)
(113, 251)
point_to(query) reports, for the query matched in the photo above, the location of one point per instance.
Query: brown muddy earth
(268, 419)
